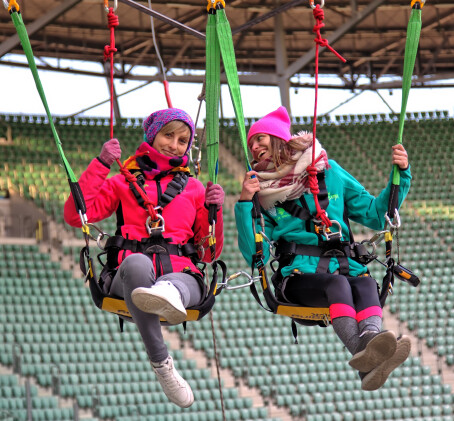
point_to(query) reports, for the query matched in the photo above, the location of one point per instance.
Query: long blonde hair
(282, 152)
(175, 125)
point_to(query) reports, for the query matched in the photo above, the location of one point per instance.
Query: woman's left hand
(214, 195)
(400, 156)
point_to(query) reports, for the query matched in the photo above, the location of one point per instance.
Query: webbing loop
(16, 17)
(411, 50)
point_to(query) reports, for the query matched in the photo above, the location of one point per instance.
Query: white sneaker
(162, 299)
(174, 386)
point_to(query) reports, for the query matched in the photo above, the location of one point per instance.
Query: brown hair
(282, 152)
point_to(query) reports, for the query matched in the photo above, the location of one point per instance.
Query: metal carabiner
(106, 5)
(149, 224)
(270, 242)
(421, 3)
(329, 235)
(11, 4)
(101, 234)
(235, 276)
(392, 225)
(313, 6)
(377, 238)
(212, 4)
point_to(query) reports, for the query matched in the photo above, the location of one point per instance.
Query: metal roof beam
(297, 65)
(13, 42)
(164, 18)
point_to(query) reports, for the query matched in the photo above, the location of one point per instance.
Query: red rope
(109, 50)
(167, 93)
(319, 15)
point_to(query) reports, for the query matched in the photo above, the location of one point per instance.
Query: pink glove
(110, 152)
(214, 195)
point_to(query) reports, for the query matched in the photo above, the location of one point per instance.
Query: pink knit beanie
(276, 123)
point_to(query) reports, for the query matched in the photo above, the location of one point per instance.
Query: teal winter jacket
(343, 190)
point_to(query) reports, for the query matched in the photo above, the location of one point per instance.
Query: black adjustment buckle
(156, 249)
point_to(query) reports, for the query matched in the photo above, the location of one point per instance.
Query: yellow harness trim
(305, 313)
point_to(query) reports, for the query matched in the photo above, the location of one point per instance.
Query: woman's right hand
(110, 152)
(250, 186)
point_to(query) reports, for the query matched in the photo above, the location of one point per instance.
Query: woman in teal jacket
(312, 274)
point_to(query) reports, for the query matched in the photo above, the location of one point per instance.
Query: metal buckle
(330, 235)
(149, 224)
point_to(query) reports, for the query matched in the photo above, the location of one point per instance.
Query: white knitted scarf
(289, 181)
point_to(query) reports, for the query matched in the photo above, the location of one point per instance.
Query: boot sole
(377, 377)
(156, 304)
(381, 348)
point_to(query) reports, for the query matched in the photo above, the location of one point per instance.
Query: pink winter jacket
(185, 216)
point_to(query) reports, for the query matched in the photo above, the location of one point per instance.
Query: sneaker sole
(381, 348)
(156, 304)
(377, 377)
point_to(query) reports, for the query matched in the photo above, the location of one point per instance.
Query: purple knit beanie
(156, 121)
(276, 123)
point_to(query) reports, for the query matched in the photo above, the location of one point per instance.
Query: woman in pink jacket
(154, 283)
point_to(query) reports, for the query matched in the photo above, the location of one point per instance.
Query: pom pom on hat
(276, 123)
(157, 120)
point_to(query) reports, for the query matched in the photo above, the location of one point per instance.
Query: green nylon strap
(213, 92)
(25, 41)
(228, 57)
(411, 49)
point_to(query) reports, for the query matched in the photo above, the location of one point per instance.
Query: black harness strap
(302, 212)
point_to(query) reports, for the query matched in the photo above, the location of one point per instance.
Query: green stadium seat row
(317, 366)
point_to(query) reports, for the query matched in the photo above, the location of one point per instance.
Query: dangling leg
(137, 271)
(374, 346)
(378, 352)
(327, 290)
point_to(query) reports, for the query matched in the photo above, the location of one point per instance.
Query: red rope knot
(312, 179)
(112, 19)
(319, 15)
(109, 52)
(322, 215)
(130, 178)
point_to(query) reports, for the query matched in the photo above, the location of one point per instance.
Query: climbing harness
(330, 242)
(155, 246)
(154, 223)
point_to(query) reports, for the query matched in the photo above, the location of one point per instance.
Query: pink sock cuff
(368, 312)
(341, 310)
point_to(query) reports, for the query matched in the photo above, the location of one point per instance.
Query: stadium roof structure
(274, 40)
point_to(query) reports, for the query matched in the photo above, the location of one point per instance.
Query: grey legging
(137, 271)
